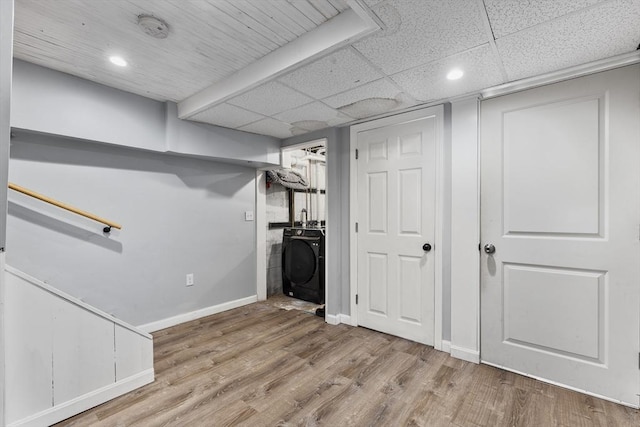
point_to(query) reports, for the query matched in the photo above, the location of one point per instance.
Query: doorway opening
(296, 212)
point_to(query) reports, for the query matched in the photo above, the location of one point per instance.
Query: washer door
(300, 260)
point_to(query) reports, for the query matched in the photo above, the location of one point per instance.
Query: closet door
(560, 209)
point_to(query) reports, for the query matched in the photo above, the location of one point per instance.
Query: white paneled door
(396, 173)
(560, 200)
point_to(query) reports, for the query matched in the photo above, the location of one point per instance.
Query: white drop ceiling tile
(269, 127)
(595, 33)
(340, 71)
(315, 111)
(429, 82)
(510, 16)
(227, 115)
(270, 98)
(421, 31)
(379, 89)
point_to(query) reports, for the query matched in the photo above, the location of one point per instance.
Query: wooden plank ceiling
(208, 40)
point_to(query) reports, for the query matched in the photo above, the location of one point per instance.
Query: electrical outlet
(248, 216)
(190, 279)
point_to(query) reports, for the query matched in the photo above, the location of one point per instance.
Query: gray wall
(105, 151)
(52, 102)
(56, 103)
(179, 216)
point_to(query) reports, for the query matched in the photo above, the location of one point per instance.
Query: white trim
(197, 314)
(353, 219)
(439, 225)
(353, 208)
(579, 390)
(261, 235)
(3, 351)
(82, 403)
(48, 288)
(346, 319)
(332, 319)
(336, 319)
(446, 346)
(341, 30)
(468, 354)
(564, 74)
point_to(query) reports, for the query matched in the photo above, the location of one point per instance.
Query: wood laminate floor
(263, 366)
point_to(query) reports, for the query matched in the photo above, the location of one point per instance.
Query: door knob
(489, 248)
(426, 247)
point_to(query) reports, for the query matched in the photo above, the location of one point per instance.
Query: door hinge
(356, 299)
(356, 227)
(356, 154)
(638, 355)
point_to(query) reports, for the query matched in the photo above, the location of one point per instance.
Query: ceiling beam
(341, 30)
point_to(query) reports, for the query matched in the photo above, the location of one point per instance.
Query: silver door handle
(489, 248)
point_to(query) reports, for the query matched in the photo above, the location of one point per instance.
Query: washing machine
(303, 264)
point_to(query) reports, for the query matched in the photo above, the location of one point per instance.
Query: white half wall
(465, 232)
(65, 356)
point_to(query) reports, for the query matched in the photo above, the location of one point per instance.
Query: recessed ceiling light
(118, 60)
(455, 74)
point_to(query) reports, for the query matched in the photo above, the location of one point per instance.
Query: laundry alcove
(296, 218)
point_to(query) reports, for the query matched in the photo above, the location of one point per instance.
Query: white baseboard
(332, 319)
(446, 346)
(336, 319)
(197, 314)
(467, 354)
(345, 318)
(82, 403)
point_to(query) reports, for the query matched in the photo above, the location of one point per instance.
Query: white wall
(6, 54)
(465, 235)
(65, 357)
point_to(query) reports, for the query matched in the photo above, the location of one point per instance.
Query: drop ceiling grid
(511, 16)
(332, 74)
(421, 31)
(382, 88)
(269, 126)
(227, 115)
(428, 82)
(316, 111)
(593, 33)
(270, 98)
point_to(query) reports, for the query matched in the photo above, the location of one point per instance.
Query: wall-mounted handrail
(70, 208)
